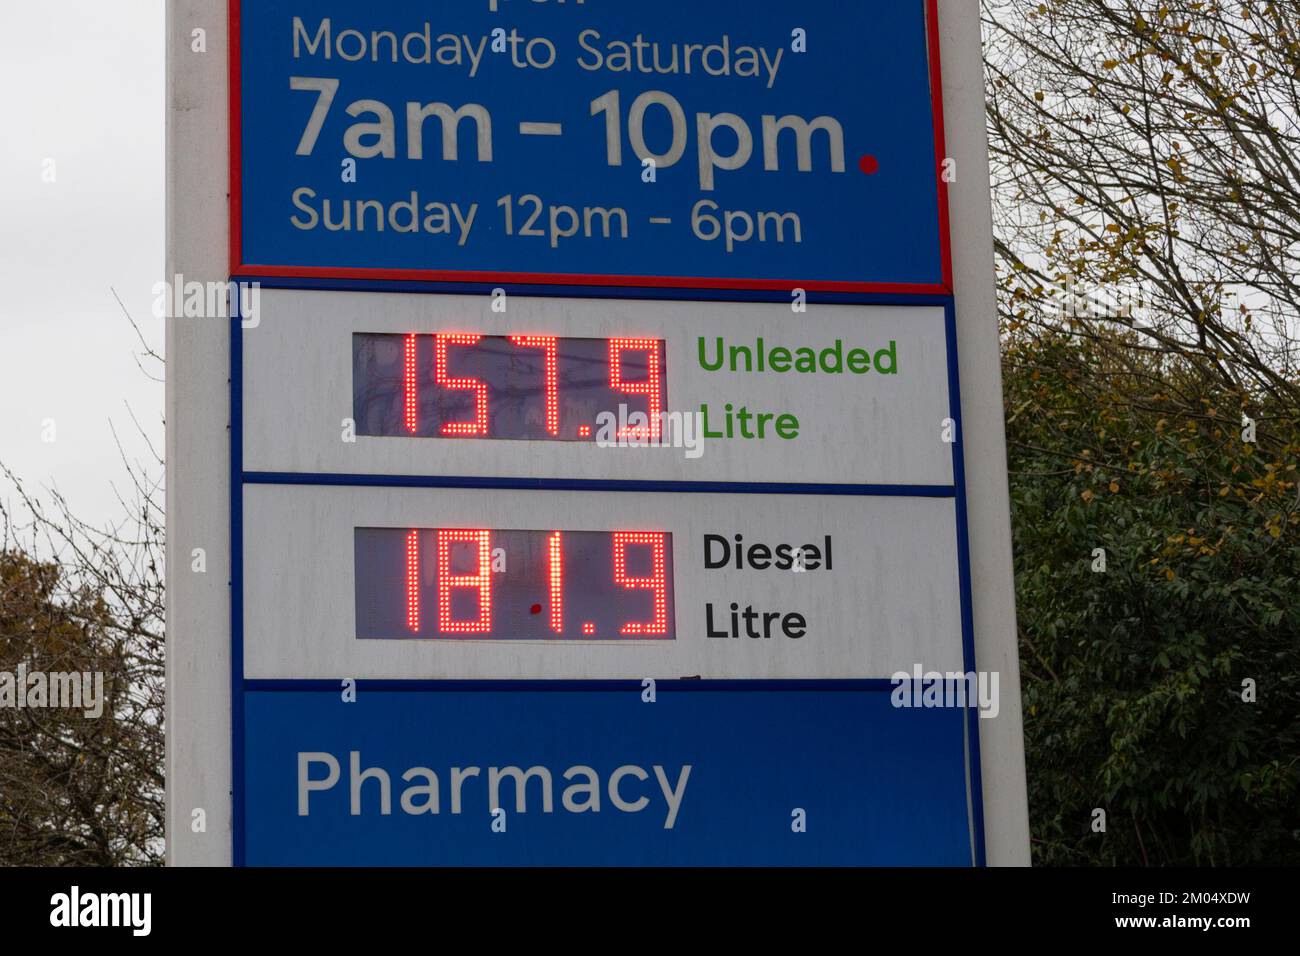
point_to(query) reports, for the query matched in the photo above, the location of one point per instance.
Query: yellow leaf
(1114, 487)
(1111, 64)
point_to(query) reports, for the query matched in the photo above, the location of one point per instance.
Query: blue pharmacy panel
(562, 773)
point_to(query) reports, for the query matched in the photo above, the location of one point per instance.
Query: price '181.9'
(475, 583)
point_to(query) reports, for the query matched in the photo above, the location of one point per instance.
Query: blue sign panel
(552, 773)
(731, 144)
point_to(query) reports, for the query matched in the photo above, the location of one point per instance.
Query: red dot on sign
(535, 609)
(869, 164)
(588, 628)
(584, 431)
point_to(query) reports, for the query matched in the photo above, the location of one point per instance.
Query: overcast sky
(83, 82)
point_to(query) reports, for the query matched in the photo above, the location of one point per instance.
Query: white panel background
(854, 429)
(891, 600)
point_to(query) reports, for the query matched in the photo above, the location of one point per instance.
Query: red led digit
(480, 580)
(479, 426)
(650, 387)
(408, 381)
(413, 581)
(546, 342)
(657, 582)
(555, 546)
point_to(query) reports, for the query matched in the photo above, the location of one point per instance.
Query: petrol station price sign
(684, 144)
(595, 435)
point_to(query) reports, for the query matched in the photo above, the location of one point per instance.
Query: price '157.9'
(531, 387)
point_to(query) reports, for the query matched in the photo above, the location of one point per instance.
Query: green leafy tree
(1157, 568)
(1146, 166)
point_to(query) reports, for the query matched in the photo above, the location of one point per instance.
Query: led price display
(538, 387)
(477, 583)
